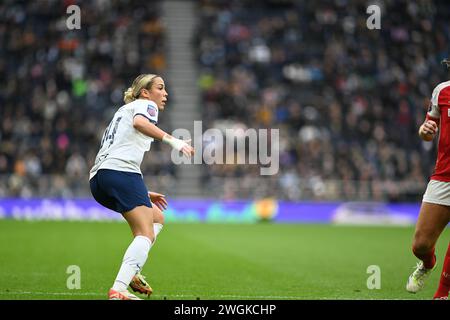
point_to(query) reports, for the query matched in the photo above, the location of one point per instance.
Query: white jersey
(122, 147)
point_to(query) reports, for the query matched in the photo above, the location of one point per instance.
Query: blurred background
(347, 100)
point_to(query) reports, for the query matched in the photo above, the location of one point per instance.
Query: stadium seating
(60, 88)
(348, 100)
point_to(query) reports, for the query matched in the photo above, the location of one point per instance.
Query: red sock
(444, 282)
(429, 258)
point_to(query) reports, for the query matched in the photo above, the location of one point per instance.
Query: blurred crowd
(348, 100)
(60, 87)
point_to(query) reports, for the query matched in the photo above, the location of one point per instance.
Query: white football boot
(417, 279)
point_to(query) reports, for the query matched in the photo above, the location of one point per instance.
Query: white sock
(133, 261)
(157, 227)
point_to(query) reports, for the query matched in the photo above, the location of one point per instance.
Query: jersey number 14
(110, 132)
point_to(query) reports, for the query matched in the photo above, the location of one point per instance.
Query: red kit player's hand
(428, 130)
(429, 127)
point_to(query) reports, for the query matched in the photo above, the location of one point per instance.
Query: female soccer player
(116, 180)
(435, 210)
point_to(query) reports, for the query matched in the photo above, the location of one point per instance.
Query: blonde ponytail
(143, 81)
(128, 95)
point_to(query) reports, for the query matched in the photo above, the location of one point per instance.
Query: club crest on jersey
(151, 110)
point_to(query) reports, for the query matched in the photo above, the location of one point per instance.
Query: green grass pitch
(212, 261)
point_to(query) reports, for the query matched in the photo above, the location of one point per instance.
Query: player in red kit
(435, 210)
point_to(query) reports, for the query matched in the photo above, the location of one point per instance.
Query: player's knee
(421, 244)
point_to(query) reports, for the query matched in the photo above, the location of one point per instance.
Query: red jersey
(439, 111)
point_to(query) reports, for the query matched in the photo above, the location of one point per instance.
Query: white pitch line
(186, 296)
(36, 293)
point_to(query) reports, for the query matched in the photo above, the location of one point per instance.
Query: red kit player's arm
(437, 120)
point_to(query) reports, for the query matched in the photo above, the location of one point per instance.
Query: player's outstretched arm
(142, 124)
(428, 130)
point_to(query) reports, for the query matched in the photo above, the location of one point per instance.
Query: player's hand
(158, 199)
(187, 149)
(180, 145)
(429, 127)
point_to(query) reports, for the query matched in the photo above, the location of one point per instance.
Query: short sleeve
(147, 109)
(433, 110)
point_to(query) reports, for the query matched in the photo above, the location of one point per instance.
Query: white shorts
(437, 192)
